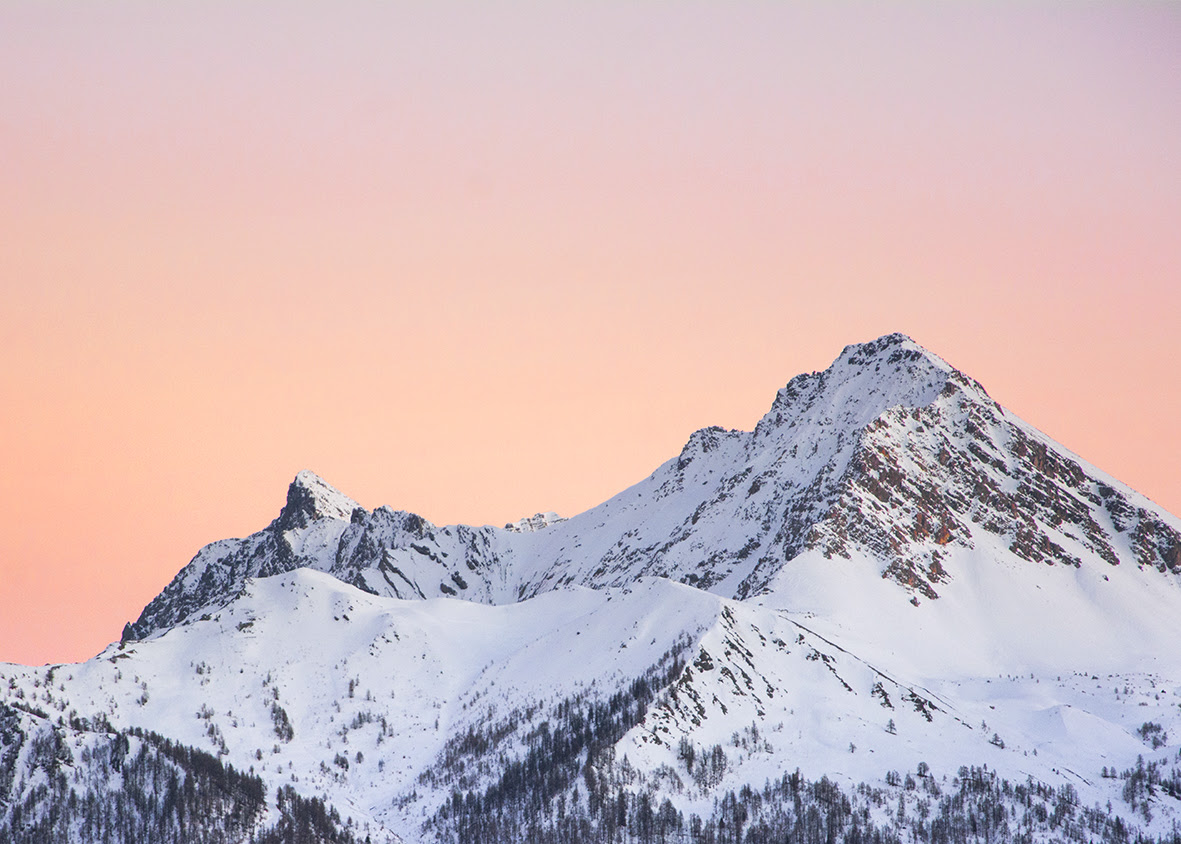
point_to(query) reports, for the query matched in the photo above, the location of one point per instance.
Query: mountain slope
(388, 707)
(890, 455)
(889, 573)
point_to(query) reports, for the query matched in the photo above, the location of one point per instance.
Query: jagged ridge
(890, 453)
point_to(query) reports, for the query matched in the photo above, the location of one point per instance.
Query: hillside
(892, 604)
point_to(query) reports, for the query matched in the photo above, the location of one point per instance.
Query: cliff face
(927, 480)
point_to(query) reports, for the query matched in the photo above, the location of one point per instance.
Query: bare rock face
(927, 479)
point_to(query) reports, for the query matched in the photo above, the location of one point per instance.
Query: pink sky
(480, 260)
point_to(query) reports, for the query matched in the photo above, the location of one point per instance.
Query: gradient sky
(480, 260)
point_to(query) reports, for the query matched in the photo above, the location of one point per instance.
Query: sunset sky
(477, 260)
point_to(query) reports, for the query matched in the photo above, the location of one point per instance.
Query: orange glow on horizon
(479, 264)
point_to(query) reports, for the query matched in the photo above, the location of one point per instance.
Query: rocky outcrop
(930, 479)
(537, 522)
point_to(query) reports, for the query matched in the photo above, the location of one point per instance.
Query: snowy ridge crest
(529, 524)
(891, 457)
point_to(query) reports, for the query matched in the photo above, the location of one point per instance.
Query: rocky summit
(892, 611)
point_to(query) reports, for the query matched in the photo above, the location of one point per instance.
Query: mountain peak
(310, 497)
(895, 347)
(864, 381)
(898, 354)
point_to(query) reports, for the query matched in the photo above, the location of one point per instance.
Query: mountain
(889, 573)
(890, 457)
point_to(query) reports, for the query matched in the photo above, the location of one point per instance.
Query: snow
(433, 668)
(330, 502)
(819, 650)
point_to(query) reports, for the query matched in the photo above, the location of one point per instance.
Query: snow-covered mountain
(889, 574)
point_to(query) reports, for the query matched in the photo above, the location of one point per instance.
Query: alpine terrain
(891, 612)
